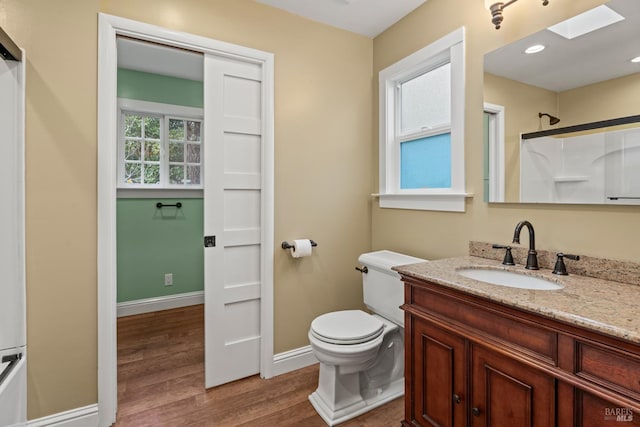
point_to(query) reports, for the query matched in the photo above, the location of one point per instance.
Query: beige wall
(595, 230)
(60, 199)
(601, 101)
(323, 98)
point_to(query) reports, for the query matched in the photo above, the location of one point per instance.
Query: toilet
(361, 355)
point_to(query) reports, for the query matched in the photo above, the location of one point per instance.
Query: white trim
(109, 26)
(447, 202)
(149, 305)
(159, 108)
(451, 48)
(496, 151)
(293, 359)
(87, 416)
(160, 193)
(107, 266)
(267, 219)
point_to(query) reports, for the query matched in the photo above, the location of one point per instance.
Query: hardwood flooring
(161, 382)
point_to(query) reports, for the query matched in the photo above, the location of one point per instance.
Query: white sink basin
(509, 278)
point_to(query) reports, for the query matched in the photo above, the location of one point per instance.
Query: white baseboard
(292, 360)
(149, 305)
(86, 416)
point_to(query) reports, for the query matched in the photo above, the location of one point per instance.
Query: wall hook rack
(160, 205)
(287, 245)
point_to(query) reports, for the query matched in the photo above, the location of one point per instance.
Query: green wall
(152, 242)
(156, 88)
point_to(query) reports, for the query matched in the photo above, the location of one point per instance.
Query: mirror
(578, 79)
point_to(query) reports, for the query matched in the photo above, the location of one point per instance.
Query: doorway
(160, 263)
(231, 189)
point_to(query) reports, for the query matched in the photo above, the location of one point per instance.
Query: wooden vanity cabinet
(440, 395)
(473, 362)
(437, 359)
(507, 393)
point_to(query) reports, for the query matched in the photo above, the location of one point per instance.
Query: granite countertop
(603, 306)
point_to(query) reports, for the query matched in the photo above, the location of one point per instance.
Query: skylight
(586, 22)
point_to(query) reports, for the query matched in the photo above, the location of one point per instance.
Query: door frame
(109, 27)
(496, 151)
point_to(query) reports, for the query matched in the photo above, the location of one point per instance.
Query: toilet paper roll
(301, 248)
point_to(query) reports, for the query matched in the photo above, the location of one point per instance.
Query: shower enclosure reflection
(588, 167)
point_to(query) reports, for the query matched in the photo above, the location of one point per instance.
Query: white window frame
(165, 111)
(449, 48)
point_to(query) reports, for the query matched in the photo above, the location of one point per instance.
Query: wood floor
(161, 382)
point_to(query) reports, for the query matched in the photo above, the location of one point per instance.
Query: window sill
(154, 193)
(446, 202)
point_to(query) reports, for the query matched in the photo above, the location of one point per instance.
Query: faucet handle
(508, 258)
(560, 268)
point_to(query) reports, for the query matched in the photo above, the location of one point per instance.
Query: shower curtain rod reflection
(584, 126)
(8, 49)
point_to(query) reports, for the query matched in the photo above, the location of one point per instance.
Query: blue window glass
(426, 162)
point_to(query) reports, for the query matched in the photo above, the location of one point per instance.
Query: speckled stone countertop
(604, 306)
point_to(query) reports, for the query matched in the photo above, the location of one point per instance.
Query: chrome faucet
(532, 257)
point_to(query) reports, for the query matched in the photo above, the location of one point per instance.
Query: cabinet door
(507, 393)
(592, 411)
(437, 366)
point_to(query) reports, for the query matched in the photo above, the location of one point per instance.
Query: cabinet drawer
(513, 332)
(610, 368)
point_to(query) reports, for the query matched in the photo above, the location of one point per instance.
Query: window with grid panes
(160, 151)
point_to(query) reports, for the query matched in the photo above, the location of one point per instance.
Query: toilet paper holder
(287, 245)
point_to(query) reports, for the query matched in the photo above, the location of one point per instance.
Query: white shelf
(571, 178)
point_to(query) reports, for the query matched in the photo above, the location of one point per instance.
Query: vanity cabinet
(507, 393)
(470, 361)
(438, 384)
(441, 361)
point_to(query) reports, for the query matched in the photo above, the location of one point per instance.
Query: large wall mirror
(577, 103)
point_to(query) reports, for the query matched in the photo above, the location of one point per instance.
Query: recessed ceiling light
(586, 22)
(534, 49)
(636, 59)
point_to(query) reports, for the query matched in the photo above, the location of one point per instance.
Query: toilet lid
(346, 327)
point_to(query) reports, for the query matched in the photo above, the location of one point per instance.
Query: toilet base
(372, 399)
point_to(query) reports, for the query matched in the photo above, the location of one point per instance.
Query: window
(422, 128)
(160, 146)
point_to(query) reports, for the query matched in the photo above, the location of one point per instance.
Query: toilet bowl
(361, 355)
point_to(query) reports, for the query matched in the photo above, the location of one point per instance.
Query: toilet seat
(346, 327)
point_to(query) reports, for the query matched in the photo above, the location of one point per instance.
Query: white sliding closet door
(232, 223)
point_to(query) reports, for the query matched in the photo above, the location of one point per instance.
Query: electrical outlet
(168, 279)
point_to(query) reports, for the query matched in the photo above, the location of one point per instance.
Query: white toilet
(361, 355)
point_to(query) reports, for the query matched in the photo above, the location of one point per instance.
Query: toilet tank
(383, 289)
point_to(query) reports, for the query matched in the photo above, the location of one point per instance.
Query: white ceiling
(159, 59)
(366, 17)
(565, 64)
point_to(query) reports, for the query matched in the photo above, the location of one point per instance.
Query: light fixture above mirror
(496, 8)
